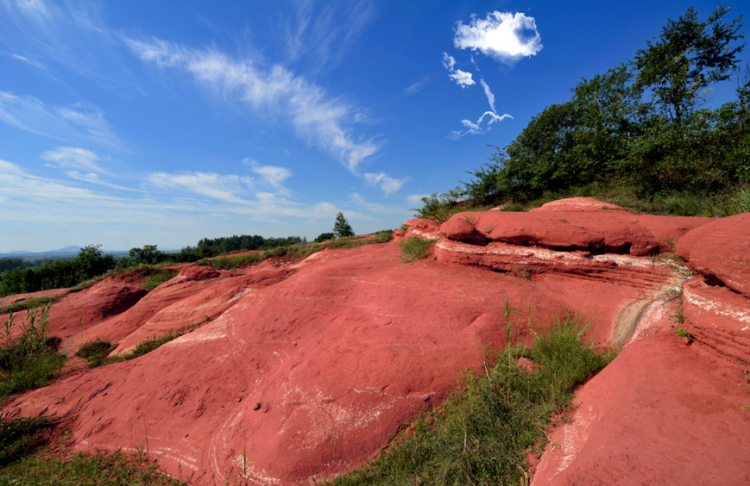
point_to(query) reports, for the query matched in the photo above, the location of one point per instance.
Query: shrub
(415, 248)
(95, 352)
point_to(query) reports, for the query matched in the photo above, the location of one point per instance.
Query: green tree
(147, 254)
(324, 237)
(687, 58)
(342, 228)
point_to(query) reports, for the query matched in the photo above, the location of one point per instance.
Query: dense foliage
(12, 263)
(639, 125)
(55, 274)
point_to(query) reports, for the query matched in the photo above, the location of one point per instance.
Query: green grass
(157, 278)
(30, 360)
(28, 304)
(95, 352)
(26, 459)
(415, 248)
(298, 251)
(484, 432)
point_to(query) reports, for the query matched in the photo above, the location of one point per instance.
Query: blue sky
(163, 122)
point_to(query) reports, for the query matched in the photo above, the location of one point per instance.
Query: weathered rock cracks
(310, 367)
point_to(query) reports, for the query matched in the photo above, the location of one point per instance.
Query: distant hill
(66, 252)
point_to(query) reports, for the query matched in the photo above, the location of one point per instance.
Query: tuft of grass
(149, 344)
(514, 207)
(301, 250)
(157, 278)
(484, 432)
(415, 248)
(21, 437)
(31, 360)
(26, 459)
(95, 352)
(28, 304)
(741, 201)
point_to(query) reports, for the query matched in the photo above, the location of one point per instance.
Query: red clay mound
(576, 205)
(661, 413)
(600, 232)
(313, 372)
(720, 252)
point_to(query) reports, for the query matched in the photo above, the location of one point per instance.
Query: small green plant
(415, 248)
(95, 352)
(683, 333)
(513, 208)
(157, 278)
(741, 201)
(32, 359)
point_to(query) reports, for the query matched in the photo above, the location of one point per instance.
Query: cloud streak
(475, 128)
(77, 122)
(503, 36)
(389, 185)
(314, 115)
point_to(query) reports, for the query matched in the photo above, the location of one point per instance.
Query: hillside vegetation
(638, 135)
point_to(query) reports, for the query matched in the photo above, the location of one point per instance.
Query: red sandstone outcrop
(310, 367)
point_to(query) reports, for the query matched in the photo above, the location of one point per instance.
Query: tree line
(643, 125)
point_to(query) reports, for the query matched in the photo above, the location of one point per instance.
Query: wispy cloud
(271, 175)
(462, 78)
(357, 199)
(313, 114)
(31, 62)
(79, 122)
(475, 128)
(73, 158)
(324, 31)
(228, 188)
(505, 37)
(416, 198)
(388, 184)
(417, 86)
(490, 96)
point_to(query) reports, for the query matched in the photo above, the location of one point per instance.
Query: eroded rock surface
(310, 367)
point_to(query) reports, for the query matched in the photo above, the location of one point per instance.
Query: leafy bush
(415, 248)
(324, 237)
(484, 432)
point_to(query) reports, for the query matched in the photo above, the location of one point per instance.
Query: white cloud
(388, 184)
(448, 62)
(274, 176)
(490, 96)
(475, 128)
(462, 78)
(73, 158)
(226, 188)
(313, 114)
(503, 36)
(416, 198)
(77, 122)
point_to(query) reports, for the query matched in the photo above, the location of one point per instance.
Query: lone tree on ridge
(342, 228)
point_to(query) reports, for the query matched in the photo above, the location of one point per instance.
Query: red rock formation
(720, 252)
(310, 367)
